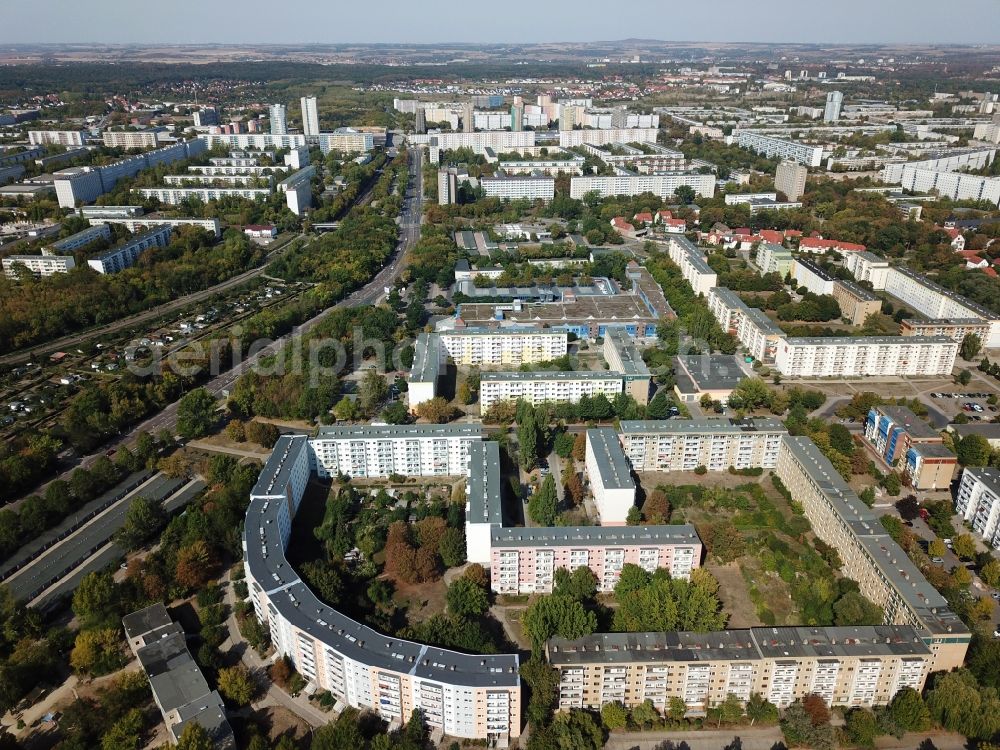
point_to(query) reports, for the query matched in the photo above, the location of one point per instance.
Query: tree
(676, 708)
(436, 410)
(685, 194)
(760, 709)
(730, 710)
(95, 598)
(892, 483)
(753, 393)
(527, 441)
(194, 737)
(614, 715)
(236, 430)
(964, 377)
(656, 508)
(861, 727)
(557, 615)
(543, 505)
(452, 548)
(990, 573)
(563, 444)
(97, 651)
(936, 548)
(959, 704)
(263, 433)
(342, 734)
(854, 609)
(908, 711)
(961, 577)
(576, 730)
(580, 584)
(645, 714)
(372, 391)
(800, 729)
(143, 519)
(126, 733)
(196, 413)
(964, 546)
(973, 450)
(236, 685)
(195, 565)
(396, 413)
(464, 392)
(466, 599)
(345, 410)
(971, 346)
(658, 407)
(580, 446)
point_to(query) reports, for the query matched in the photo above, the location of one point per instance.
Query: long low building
(693, 264)
(882, 569)
(462, 695)
(174, 195)
(625, 359)
(759, 334)
(978, 502)
(499, 347)
(716, 444)
(865, 356)
(346, 140)
(846, 666)
(954, 328)
(519, 187)
(782, 148)
(135, 224)
(81, 239)
(604, 136)
(40, 265)
(546, 386)
(125, 255)
(662, 185)
(367, 451)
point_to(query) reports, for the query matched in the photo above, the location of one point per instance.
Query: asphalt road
(409, 234)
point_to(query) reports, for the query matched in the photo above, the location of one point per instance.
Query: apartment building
(902, 439)
(194, 180)
(812, 276)
(625, 360)
(855, 357)
(716, 444)
(40, 265)
(629, 183)
(978, 502)
(868, 267)
(524, 560)
(80, 239)
(297, 188)
(790, 179)
(483, 500)
(759, 334)
(278, 115)
(693, 264)
(68, 138)
(498, 140)
(132, 138)
(426, 369)
(604, 136)
(882, 569)
(772, 146)
(238, 168)
(954, 328)
(517, 187)
(179, 688)
(346, 140)
(856, 303)
(773, 258)
(955, 185)
(929, 466)
(846, 666)
(138, 223)
(125, 255)
(548, 167)
(174, 195)
(936, 302)
(110, 212)
(610, 476)
(310, 115)
(546, 386)
(503, 347)
(462, 695)
(649, 292)
(422, 450)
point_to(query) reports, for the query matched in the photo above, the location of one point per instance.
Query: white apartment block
(693, 264)
(610, 476)
(297, 188)
(662, 185)
(738, 199)
(936, 302)
(346, 140)
(81, 239)
(40, 265)
(954, 328)
(546, 386)
(987, 131)
(131, 138)
(868, 267)
(425, 371)
(125, 255)
(978, 502)
(773, 258)
(419, 450)
(139, 223)
(515, 187)
(964, 159)
(174, 195)
(882, 569)
(548, 167)
(498, 140)
(310, 115)
(196, 180)
(278, 115)
(847, 666)
(524, 560)
(856, 357)
(954, 185)
(462, 695)
(503, 347)
(625, 360)
(812, 277)
(756, 332)
(604, 136)
(716, 444)
(56, 137)
(770, 146)
(233, 169)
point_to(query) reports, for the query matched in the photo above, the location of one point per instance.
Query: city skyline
(444, 21)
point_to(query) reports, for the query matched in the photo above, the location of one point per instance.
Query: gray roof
(904, 417)
(146, 620)
(880, 640)
(932, 450)
(871, 257)
(858, 291)
(708, 372)
(975, 307)
(612, 536)
(989, 430)
(502, 331)
(426, 359)
(814, 269)
(529, 375)
(868, 340)
(612, 466)
(483, 502)
(210, 713)
(759, 318)
(174, 676)
(703, 426)
(945, 322)
(633, 365)
(277, 471)
(399, 431)
(987, 475)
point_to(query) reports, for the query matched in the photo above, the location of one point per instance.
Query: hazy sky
(429, 21)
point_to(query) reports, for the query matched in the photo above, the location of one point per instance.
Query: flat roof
(562, 536)
(932, 450)
(426, 359)
(868, 340)
(644, 284)
(904, 417)
(174, 676)
(612, 466)
(833, 642)
(146, 620)
(985, 474)
(964, 301)
(621, 309)
(500, 330)
(678, 646)
(814, 269)
(760, 319)
(989, 430)
(633, 365)
(499, 377)
(702, 426)
(709, 372)
(962, 322)
(399, 431)
(277, 470)
(858, 291)
(484, 499)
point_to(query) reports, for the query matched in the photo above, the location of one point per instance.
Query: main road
(409, 234)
